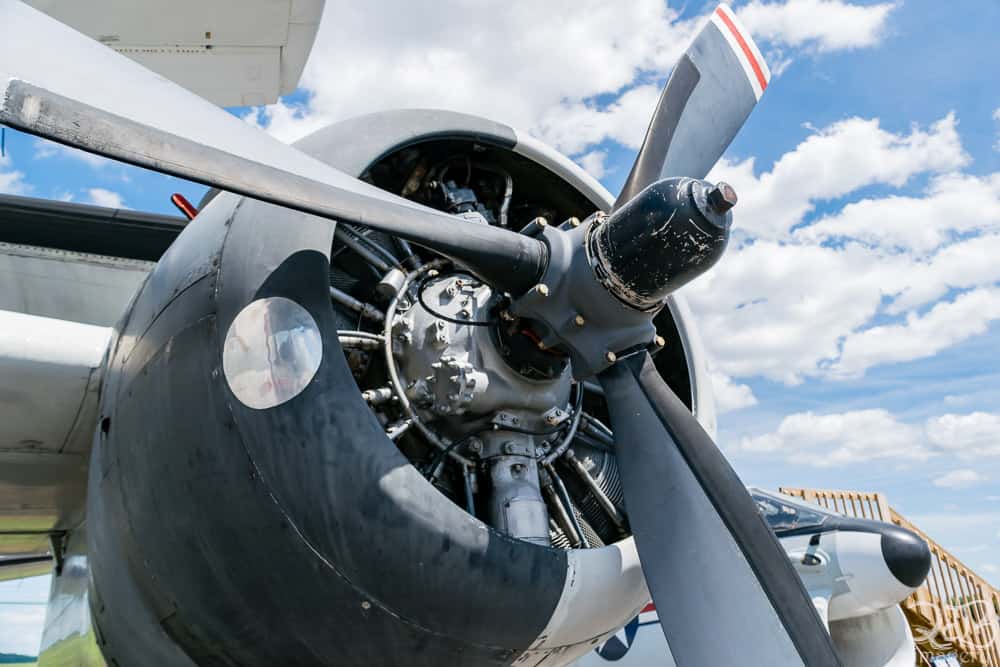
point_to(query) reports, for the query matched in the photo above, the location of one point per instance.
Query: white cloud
(594, 163)
(862, 285)
(285, 121)
(970, 436)
(828, 25)
(106, 198)
(11, 182)
(571, 128)
(780, 310)
(959, 479)
(946, 324)
(961, 265)
(515, 68)
(729, 395)
(953, 204)
(45, 150)
(520, 66)
(839, 439)
(833, 162)
(825, 440)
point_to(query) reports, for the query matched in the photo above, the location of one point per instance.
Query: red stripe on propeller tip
(747, 51)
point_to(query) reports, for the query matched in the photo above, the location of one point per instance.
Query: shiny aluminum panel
(272, 351)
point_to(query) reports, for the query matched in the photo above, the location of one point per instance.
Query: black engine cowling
(223, 534)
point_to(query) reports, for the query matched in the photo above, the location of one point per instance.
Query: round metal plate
(273, 349)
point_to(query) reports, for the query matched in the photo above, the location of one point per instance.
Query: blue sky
(854, 326)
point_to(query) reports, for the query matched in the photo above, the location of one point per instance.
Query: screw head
(610, 357)
(660, 341)
(579, 321)
(574, 222)
(542, 289)
(722, 197)
(366, 605)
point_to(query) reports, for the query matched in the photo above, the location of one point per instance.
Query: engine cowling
(274, 522)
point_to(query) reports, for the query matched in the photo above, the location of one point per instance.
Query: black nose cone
(907, 555)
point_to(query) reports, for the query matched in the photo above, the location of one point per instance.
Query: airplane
(415, 390)
(857, 571)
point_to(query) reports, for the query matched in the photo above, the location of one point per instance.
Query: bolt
(722, 197)
(366, 605)
(542, 289)
(574, 222)
(432, 273)
(579, 321)
(610, 357)
(509, 448)
(660, 341)
(475, 445)
(541, 222)
(464, 313)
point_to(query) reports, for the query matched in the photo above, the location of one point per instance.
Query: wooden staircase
(955, 612)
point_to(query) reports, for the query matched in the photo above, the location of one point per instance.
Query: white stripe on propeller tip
(744, 47)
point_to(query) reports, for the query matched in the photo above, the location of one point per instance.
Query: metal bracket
(577, 310)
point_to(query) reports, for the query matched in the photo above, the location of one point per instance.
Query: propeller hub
(664, 237)
(609, 276)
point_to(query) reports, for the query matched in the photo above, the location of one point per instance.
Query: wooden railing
(955, 611)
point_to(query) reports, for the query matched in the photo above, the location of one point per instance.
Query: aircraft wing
(68, 271)
(22, 567)
(231, 52)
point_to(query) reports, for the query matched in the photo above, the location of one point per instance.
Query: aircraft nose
(907, 555)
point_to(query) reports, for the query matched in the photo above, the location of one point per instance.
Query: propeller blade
(711, 91)
(59, 84)
(724, 589)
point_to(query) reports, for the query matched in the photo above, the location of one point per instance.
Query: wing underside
(68, 271)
